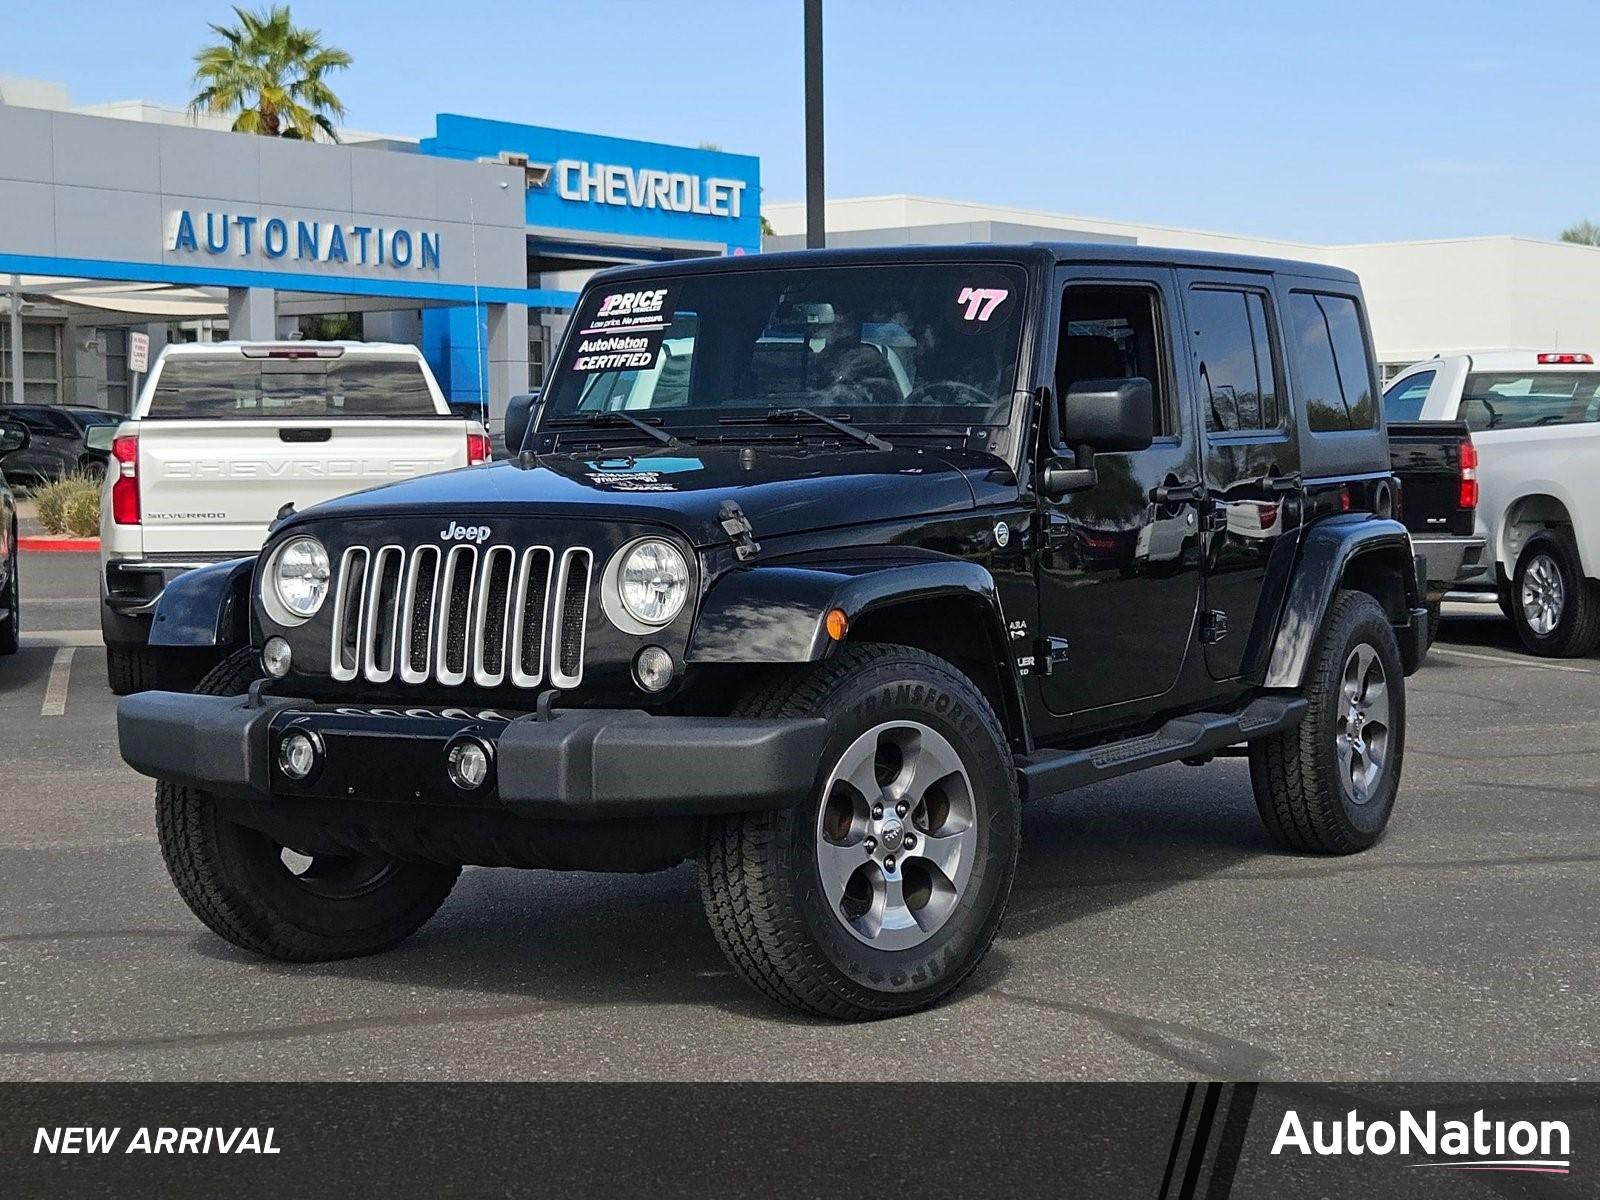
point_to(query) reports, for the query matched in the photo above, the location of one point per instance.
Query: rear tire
(132, 669)
(274, 901)
(1434, 616)
(841, 909)
(1328, 786)
(1555, 608)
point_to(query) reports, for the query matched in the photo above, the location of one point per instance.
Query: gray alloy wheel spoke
(1543, 595)
(897, 873)
(1361, 729)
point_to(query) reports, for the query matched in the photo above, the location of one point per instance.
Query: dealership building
(471, 242)
(1423, 297)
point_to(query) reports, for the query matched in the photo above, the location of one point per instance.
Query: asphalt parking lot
(1154, 933)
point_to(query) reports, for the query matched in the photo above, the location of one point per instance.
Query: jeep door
(1119, 577)
(1251, 514)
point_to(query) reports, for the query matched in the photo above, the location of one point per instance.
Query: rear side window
(1334, 364)
(1404, 400)
(1526, 399)
(1233, 358)
(209, 388)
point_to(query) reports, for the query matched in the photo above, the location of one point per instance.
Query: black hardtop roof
(1027, 253)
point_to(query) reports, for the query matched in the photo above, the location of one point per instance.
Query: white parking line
(1507, 661)
(55, 690)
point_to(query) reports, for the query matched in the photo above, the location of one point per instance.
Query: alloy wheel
(897, 834)
(1543, 595)
(1362, 732)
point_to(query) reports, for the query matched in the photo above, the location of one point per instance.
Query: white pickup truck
(1535, 421)
(225, 434)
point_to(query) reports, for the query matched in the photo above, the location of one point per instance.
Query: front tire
(1328, 786)
(879, 895)
(273, 900)
(1555, 608)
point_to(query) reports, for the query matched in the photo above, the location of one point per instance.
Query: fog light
(299, 754)
(467, 764)
(652, 669)
(275, 657)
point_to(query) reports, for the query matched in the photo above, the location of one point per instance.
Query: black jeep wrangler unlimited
(815, 567)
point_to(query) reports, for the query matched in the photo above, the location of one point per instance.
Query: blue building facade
(590, 202)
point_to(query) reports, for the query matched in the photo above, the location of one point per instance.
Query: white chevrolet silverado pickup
(224, 435)
(1535, 423)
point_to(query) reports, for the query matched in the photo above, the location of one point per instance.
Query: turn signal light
(1469, 476)
(1564, 360)
(125, 487)
(478, 448)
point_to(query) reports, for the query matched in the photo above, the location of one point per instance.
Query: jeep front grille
(459, 613)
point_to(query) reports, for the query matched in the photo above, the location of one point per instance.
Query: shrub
(70, 505)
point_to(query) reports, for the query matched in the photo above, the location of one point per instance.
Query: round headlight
(300, 576)
(653, 582)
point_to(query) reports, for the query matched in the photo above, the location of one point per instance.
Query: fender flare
(776, 612)
(209, 606)
(1327, 551)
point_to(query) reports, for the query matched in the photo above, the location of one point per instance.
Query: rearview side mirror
(520, 412)
(1109, 414)
(13, 436)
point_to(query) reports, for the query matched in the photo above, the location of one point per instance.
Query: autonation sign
(251, 235)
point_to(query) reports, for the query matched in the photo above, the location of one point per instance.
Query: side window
(1333, 358)
(1116, 332)
(1404, 401)
(1233, 359)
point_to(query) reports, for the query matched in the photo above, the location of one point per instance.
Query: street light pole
(816, 233)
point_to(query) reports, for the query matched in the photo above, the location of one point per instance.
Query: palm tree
(1585, 233)
(270, 73)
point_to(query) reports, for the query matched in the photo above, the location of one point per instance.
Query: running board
(1050, 772)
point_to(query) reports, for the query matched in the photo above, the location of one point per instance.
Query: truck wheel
(1435, 614)
(880, 894)
(1328, 786)
(1555, 608)
(132, 669)
(274, 900)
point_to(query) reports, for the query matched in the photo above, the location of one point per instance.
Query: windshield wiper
(614, 418)
(791, 416)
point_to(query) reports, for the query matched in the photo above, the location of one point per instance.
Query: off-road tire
(1577, 633)
(11, 627)
(1295, 774)
(758, 875)
(233, 879)
(133, 669)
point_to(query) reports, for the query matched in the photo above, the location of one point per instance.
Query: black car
(60, 443)
(14, 438)
(815, 567)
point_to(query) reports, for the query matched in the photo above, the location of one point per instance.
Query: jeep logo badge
(476, 534)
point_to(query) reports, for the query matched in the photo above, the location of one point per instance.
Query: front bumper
(577, 764)
(1450, 560)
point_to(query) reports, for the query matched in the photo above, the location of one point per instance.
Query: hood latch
(737, 526)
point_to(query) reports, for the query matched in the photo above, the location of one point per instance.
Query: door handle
(1178, 493)
(1285, 483)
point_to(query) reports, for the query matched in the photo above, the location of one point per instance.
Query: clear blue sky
(1354, 121)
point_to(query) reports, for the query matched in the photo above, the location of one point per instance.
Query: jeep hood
(781, 489)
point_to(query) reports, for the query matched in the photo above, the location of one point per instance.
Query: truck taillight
(1563, 359)
(478, 450)
(1469, 476)
(125, 487)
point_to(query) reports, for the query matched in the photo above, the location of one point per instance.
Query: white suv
(1535, 420)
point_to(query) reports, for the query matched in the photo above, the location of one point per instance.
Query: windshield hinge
(737, 526)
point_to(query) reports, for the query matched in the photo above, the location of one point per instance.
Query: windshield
(297, 387)
(882, 345)
(1520, 399)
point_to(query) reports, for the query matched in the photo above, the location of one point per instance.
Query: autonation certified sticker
(625, 332)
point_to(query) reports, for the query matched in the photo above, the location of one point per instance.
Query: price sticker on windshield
(625, 331)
